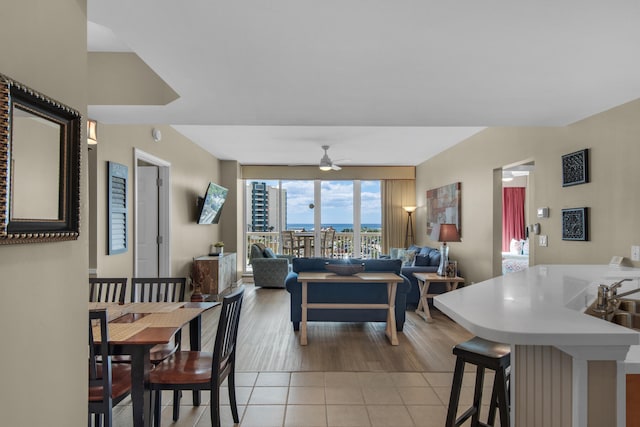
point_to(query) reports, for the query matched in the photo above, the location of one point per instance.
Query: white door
(147, 249)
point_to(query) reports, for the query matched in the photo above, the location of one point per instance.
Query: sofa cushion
(421, 261)
(268, 253)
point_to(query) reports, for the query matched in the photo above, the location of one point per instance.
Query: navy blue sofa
(425, 260)
(346, 293)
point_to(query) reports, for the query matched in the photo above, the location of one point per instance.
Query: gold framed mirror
(40, 142)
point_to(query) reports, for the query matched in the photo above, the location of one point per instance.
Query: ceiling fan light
(325, 167)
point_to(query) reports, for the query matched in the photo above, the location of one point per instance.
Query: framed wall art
(575, 168)
(443, 206)
(575, 224)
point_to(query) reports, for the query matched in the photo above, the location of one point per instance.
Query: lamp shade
(445, 233)
(409, 209)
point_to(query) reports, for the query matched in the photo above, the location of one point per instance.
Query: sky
(337, 201)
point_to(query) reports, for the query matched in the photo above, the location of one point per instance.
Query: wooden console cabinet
(218, 272)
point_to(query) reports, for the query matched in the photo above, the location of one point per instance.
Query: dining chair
(199, 370)
(109, 383)
(160, 289)
(103, 289)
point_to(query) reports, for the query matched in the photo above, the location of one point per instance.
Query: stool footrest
(467, 414)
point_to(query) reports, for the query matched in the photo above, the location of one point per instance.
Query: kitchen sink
(629, 306)
(628, 320)
(626, 314)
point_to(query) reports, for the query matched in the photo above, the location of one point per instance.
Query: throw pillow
(408, 257)
(434, 258)
(525, 247)
(394, 253)
(268, 253)
(515, 247)
(425, 251)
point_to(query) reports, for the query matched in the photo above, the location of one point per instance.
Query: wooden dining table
(134, 328)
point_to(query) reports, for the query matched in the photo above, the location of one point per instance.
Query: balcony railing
(343, 245)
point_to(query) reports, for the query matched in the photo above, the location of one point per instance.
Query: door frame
(164, 211)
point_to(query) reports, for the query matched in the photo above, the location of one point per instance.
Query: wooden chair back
(224, 349)
(289, 243)
(108, 384)
(158, 289)
(328, 237)
(107, 289)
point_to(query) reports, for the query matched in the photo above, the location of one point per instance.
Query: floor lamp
(444, 233)
(408, 235)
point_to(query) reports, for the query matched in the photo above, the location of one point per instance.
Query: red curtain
(512, 215)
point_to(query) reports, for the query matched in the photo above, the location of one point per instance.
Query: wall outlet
(635, 253)
(542, 240)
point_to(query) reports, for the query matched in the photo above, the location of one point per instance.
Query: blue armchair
(269, 270)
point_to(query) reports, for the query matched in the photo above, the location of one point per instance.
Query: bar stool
(485, 355)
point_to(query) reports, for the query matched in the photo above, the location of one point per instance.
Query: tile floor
(345, 399)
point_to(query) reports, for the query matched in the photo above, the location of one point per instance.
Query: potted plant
(217, 248)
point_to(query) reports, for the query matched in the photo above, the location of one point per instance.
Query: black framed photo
(575, 168)
(575, 224)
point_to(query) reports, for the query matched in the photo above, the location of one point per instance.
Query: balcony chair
(269, 270)
(102, 289)
(108, 384)
(199, 370)
(290, 245)
(328, 237)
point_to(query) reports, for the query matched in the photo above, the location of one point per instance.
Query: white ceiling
(382, 82)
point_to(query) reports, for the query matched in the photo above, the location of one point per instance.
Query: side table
(424, 280)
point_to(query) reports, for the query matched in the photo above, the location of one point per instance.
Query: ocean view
(337, 227)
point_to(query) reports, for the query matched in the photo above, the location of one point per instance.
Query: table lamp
(444, 233)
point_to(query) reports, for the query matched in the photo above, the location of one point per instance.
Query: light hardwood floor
(348, 374)
(267, 341)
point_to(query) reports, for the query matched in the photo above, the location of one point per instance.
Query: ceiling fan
(325, 163)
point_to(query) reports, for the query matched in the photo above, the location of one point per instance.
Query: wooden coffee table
(365, 278)
(424, 280)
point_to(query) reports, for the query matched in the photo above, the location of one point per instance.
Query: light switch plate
(542, 240)
(635, 253)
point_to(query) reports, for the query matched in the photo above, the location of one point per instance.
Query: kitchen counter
(540, 305)
(568, 367)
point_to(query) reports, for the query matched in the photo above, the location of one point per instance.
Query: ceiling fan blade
(335, 167)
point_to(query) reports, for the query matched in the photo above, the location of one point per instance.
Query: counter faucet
(608, 298)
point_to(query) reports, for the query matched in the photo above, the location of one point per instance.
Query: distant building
(267, 210)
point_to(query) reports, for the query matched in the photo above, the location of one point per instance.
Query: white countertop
(542, 305)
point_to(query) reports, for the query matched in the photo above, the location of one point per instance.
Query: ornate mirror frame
(65, 225)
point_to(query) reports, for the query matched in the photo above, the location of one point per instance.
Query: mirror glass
(35, 148)
(40, 141)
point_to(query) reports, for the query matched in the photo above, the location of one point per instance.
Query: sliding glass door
(352, 208)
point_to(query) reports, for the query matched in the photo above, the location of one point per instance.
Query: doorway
(151, 217)
(515, 231)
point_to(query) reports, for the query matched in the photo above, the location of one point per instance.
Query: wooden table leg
(142, 404)
(303, 323)
(195, 327)
(423, 305)
(391, 331)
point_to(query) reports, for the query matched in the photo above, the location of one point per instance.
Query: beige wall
(191, 171)
(612, 195)
(43, 294)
